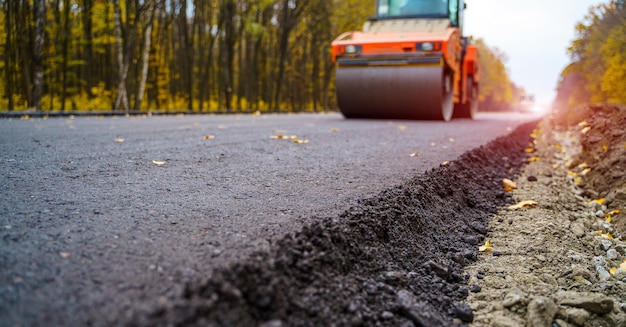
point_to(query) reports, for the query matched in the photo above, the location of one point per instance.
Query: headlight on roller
(352, 49)
(428, 46)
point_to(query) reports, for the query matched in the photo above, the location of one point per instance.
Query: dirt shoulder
(557, 263)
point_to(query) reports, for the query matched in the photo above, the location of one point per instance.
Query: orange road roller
(411, 61)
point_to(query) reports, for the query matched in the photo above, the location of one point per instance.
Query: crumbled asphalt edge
(393, 260)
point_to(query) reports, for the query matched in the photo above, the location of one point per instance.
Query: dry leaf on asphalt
(209, 137)
(334, 130)
(415, 154)
(509, 185)
(158, 163)
(64, 255)
(524, 204)
(296, 140)
(119, 140)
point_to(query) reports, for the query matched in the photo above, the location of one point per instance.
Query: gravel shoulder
(557, 263)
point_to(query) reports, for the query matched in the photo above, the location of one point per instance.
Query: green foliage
(598, 70)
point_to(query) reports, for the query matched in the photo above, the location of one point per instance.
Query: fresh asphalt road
(92, 229)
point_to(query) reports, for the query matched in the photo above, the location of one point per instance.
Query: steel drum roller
(394, 92)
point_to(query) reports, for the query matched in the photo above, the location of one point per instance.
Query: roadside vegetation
(209, 55)
(597, 73)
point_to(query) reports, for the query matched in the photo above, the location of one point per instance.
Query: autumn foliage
(597, 73)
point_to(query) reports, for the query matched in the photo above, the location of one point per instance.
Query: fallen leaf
(25, 117)
(256, 113)
(585, 171)
(334, 130)
(583, 123)
(119, 140)
(614, 212)
(612, 271)
(279, 137)
(529, 150)
(572, 173)
(65, 255)
(605, 147)
(402, 127)
(485, 248)
(558, 146)
(509, 185)
(415, 154)
(585, 130)
(578, 180)
(296, 140)
(607, 235)
(209, 137)
(608, 219)
(524, 204)
(158, 163)
(533, 159)
(598, 201)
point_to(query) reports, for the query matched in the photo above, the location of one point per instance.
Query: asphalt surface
(92, 228)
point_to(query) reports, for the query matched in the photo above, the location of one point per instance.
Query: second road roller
(410, 61)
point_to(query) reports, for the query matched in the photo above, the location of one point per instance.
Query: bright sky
(534, 34)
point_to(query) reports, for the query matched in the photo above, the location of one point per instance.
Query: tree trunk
(9, 54)
(40, 23)
(65, 53)
(88, 54)
(146, 55)
(121, 100)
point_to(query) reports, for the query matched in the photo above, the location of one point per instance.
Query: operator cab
(435, 9)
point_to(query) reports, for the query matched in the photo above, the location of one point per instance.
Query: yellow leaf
(612, 271)
(415, 154)
(158, 163)
(533, 159)
(524, 204)
(608, 219)
(296, 140)
(485, 248)
(558, 146)
(119, 140)
(529, 150)
(599, 201)
(65, 255)
(279, 137)
(209, 137)
(25, 117)
(605, 148)
(585, 130)
(578, 180)
(509, 184)
(334, 130)
(572, 173)
(607, 235)
(614, 212)
(256, 113)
